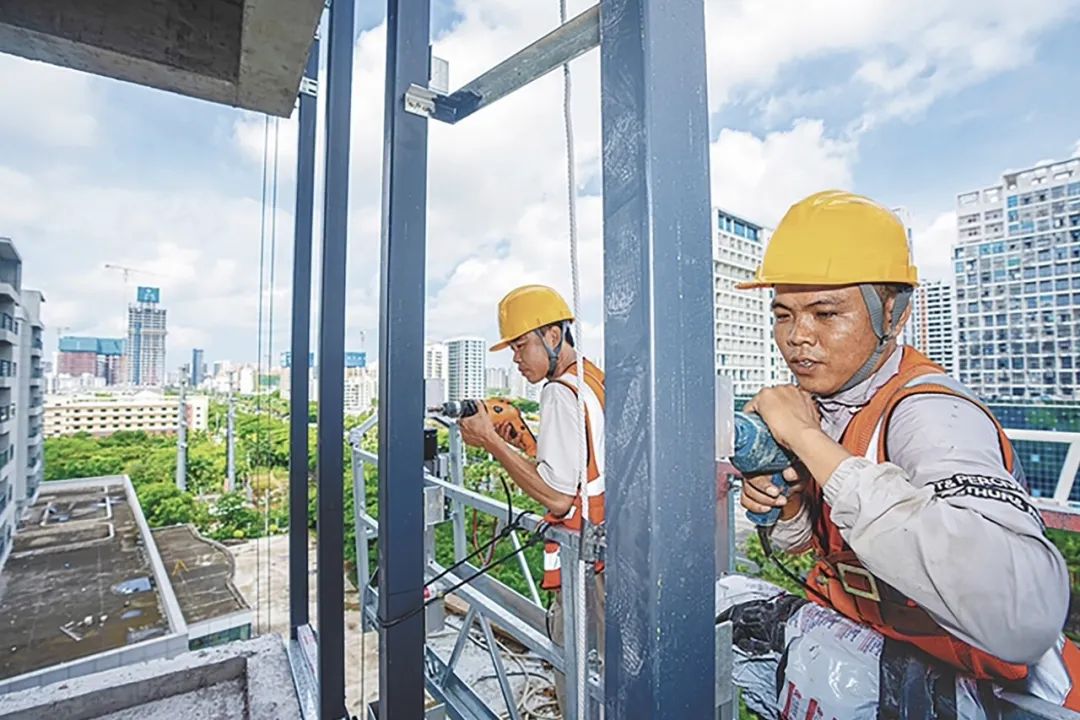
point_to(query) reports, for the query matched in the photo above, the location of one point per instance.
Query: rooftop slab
(79, 580)
(201, 572)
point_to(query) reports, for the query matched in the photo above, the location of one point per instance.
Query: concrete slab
(247, 53)
(78, 556)
(239, 681)
(201, 572)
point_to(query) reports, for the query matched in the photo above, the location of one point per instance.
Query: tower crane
(127, 272)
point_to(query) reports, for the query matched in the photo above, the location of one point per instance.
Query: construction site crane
(127, 272)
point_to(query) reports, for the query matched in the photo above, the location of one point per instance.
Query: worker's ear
(552, 335)
(888, 309)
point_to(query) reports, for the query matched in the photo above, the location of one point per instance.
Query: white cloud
(761, 177)
(46, 104)
(497, 214)
(932, 246)
(906, 55)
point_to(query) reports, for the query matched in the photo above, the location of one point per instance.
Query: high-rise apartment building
(361, 390)
(146, 339)
(497, 380)
(29, 455)
(90, 357)
(198, 367)
(1017, 277)
(744, 346)
(435, 373)
(22, 394)
(465, 363)
(931, 330)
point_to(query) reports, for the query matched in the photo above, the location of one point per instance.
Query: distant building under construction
(145, 353)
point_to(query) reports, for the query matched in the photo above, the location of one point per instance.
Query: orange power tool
(506, 418)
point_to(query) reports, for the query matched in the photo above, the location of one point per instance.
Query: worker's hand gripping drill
(480, 419)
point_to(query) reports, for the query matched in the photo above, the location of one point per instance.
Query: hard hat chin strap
(553, 353)
(883, 333)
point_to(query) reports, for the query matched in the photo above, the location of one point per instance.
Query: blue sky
(909, 105)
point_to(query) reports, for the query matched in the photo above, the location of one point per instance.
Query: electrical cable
(532, 541)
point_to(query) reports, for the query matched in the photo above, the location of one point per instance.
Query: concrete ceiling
(245, 53)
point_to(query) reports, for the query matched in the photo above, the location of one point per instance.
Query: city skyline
(172, 187)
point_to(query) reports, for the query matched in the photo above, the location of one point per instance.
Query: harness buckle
(843, 570)
(595, 543)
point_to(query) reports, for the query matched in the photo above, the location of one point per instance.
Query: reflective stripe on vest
(594, 379)
(850, 588)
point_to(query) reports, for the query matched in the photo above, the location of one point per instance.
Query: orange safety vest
(856, 593)
(594, 378)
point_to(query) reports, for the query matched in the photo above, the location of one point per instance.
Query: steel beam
(570, 40)
(331, 584)
(401, 354)
(300, 344)
(660, 375)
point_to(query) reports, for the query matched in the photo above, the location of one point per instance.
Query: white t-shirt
(557, 445)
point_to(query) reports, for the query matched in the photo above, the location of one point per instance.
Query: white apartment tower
(465, 364)
(931, 330)
(745, 350)
(435, 373)
(1017, 275)
(22, 389)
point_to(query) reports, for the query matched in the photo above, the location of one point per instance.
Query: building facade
(465, 364)
(744, 346)
(931, 329)
(102, 414)
(497, 380)
(361, 390)
(436, 382)
(22, 392)
(1017, 278)
(198, 367)
(30, 396)
(91, 357)
(147, 330)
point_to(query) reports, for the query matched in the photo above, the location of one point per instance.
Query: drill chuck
(455, 408)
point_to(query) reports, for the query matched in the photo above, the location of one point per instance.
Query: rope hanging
(580, 615)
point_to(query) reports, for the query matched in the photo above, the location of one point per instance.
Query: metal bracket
(595, 543)
(309, 86)
(420, 101)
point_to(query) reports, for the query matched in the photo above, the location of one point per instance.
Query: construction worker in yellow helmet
(534, 323)
(905, 488)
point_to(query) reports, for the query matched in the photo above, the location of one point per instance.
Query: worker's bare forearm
(523, 472)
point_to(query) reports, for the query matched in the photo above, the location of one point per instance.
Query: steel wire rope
(269, 356)
(258, 356)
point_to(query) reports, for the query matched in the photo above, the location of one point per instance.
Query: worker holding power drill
(928, 549)
(534, 322)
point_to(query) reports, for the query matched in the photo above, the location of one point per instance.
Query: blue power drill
(757, 453)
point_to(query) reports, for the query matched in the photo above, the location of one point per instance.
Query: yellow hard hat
(529, 308)
(836, 238)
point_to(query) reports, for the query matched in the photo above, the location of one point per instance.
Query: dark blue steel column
(660, 653)
(401, 352)
(331, 361)
(301, 342)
